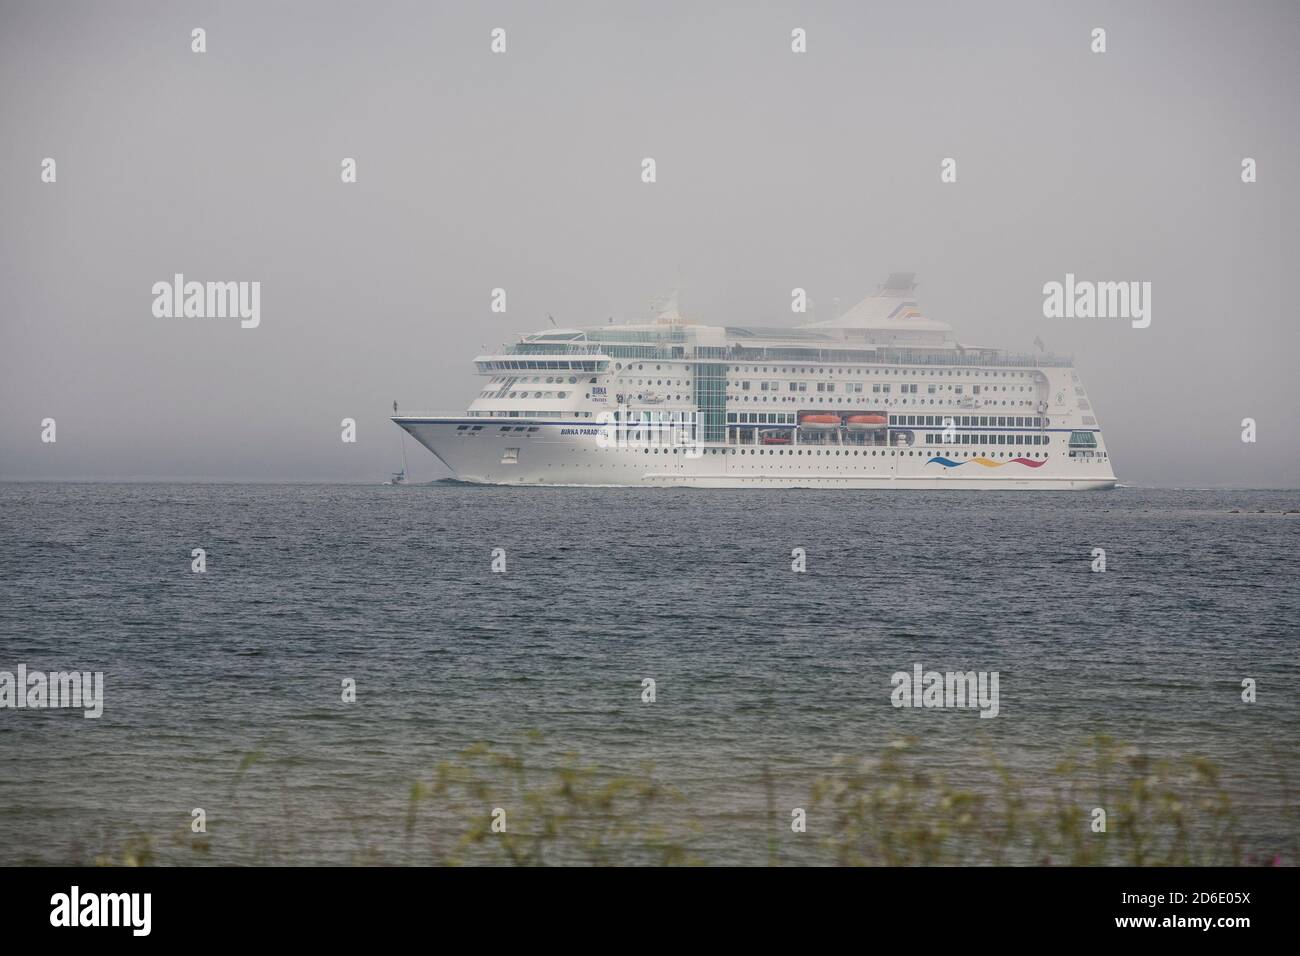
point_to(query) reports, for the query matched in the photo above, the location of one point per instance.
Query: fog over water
(522, 171)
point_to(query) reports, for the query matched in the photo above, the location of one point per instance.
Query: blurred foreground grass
(490, 806)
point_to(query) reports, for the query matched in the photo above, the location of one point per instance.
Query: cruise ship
(879, 397)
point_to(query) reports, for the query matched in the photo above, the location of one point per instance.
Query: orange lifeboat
(819, 421)
(863, 423)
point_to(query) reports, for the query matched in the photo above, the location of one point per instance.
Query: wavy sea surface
(223, 688)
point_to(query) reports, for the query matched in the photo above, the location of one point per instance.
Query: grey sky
(522, 171)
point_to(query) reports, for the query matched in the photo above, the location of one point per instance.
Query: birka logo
(102, 909)
(1084, 299)
(208, 300)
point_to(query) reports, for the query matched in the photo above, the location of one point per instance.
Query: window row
(760, 418)
(647, 417)
(877, 388)
(492, 392)
(525, 365)
(936, 438)
(846, 452)
(505, 413)
(968, 403)
(813, 370)
(970, 421)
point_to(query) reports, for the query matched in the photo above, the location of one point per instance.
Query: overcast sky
(522, 171)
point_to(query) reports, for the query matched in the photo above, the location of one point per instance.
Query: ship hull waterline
(503, 452)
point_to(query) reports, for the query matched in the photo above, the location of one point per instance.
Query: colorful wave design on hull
(986, 462)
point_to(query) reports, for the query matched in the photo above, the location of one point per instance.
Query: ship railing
(877, 356)
(506, 416)
(421, 413)
(969, 358)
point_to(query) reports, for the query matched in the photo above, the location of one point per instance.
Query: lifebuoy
(1042, 406)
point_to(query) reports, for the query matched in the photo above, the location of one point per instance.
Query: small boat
(398, 477)
(819, 421)
(862, 423)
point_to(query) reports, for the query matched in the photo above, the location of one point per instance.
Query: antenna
(552, 318)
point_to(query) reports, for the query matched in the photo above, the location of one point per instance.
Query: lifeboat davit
(819, 421)
(867, 423)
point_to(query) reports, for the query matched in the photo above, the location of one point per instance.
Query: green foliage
(569, 814)
(895, 809)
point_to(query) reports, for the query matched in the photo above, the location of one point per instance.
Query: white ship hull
(549, 456)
